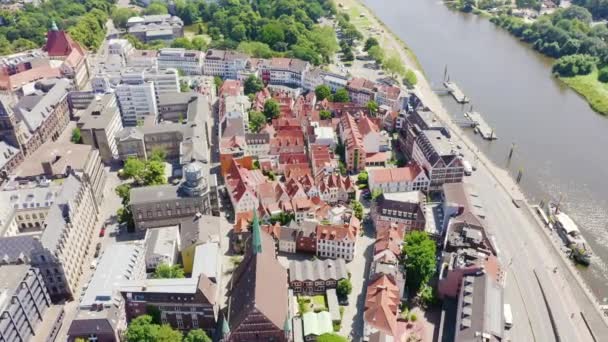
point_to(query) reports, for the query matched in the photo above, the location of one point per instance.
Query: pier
(480, 125)
(455, 91)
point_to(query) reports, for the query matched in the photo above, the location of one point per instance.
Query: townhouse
(338, 241)
(403, 208)
(361, 90)
(315, 277)
(401, 179)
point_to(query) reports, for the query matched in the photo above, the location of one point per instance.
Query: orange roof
(366, 126)
(378, 157)
(241, 221)
(17, 80)
(382, 304)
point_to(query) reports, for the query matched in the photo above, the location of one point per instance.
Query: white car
(93, 264)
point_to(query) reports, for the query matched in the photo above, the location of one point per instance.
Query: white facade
(419, 183)
(120, 47)
(325, 136)
(236, 107)
(137, 101)
(287, 246)
(344, 248)
(189, 62)
(162, 246)
(225, 64)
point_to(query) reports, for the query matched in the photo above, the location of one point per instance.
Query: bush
(602, 75)
(413, 317)
(574, 65)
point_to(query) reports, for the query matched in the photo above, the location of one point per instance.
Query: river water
(560, 143)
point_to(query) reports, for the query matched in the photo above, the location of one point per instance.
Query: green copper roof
(225, 327)
(287, 325)
(256, 239)
(54, 26)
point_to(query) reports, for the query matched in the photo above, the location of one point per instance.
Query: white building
(225, 64)
(121, 48)
(236, 107)
(137, 101)
(258, 144)
(337, 241)
(402, 179)
(162, 246)
(137, 91)
(190, 62)
(285, 71)
(325, 136)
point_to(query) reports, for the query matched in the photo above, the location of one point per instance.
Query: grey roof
(442, 145)
(26, 198)
(99, 113)
(206, 260)
(12, 275)
(199, 230)
(7, 152)
(333, 305)
(480, 308)
(116, 265)
(174, 98)
(160, 241)
(233, 127)
(13, 248)
(303, 270)
(58, 213)
(34, 109)
(288, 234)
(151, 194)
(409, 196)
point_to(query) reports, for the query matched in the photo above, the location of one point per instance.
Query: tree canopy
(257, 121)
(322, 92)
(143, 328)
(419, 255)
(370, 42)
(253, 84)
(166, 271)
(331, 337)
(324, 114)
(357, 209)
(27, 28)
(344, 287)
(197, 335)
(341, 95)
(271, 109)
(394, 66)
(574, 65)
(265, 28)
(155, 7)
(376, 53)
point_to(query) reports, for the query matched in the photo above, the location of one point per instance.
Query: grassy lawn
(319, 301)
(594, 91)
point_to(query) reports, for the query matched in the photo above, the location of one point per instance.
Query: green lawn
(594, 91)
(319, 301)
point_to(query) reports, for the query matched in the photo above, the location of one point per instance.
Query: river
(559, 141)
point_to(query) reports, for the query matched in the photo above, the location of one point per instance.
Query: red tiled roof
(359, 83)
(58, 43)
(382, 304)
(400, 174)
(366, 126)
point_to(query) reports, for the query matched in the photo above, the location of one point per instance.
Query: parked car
(93, 264)
(102, 232)
(98, 246)
(96, 255)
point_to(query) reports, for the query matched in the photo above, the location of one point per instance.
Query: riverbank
(575, 291)
(594, 91)
(589, 87)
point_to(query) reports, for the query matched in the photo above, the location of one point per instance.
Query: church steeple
(54, 26)
(256, 234)
(225, 328)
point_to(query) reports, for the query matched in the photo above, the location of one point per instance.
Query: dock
(480, 125)
(455, 91)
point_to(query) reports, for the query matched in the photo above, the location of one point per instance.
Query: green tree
(168, 334)
(271, 109)
(284, 218)
(166, 271)
(154, 173)
(602, 75)
(184, 87)
(419, 255)
(376, 53)
(363, 177)
(156, 8)
(410, 78)
(257, 121)
(158, 154)
(322, 92)
(218, 82)
(142, 329)
(253, 84)
(574, 65)
(120, 16)
(199, 43)
(272, 33)
(341, 95)
(331, 337)
(256, 49)
(182, 42)
(394, 66)
(357, 209)
(344, 287)
(324, 114)
(372, 106)
(197, 335)
(369, 43)
(76, 137)
(325, 41)
(134, 168)
(376, 193)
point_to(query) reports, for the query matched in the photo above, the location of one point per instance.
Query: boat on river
(571, 235)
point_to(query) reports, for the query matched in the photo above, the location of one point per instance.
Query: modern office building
(190, 62)
(99, 124)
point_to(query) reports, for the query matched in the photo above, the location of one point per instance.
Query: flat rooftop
(116, 265)
(12, 275)
(409, 196)
(440, 143)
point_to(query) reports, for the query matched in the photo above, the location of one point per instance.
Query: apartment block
(24, 305)
(224, 63)
(190, 62)
(401, 179)
(284, 71)
(439, 157)
(361, 90)
(99, 124)
(155, 27)
(406, 208)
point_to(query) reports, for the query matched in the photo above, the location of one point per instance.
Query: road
(525, 250)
